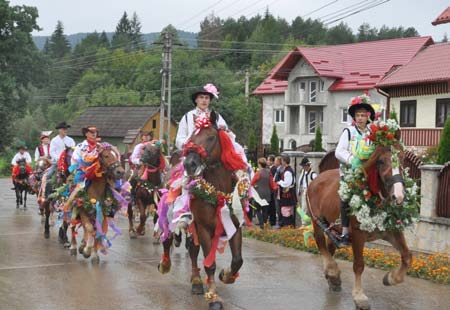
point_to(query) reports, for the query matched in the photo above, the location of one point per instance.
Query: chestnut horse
(324, 207)
(112, 171)
(48, 186)
(21, 183)
(146, 192)
(42, 164)
(204, 159)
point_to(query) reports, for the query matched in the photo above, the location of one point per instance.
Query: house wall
(426, 108)
(270, 104)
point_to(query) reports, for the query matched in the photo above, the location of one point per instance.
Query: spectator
(288, 196)
(263, 184)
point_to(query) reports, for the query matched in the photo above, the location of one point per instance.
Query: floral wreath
(369, 209)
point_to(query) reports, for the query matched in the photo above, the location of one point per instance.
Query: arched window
(292, 145)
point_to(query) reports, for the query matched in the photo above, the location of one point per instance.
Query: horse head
(42, 164)
(203, 147)
(152, 156)
(22, 168)
(109, 158)
(386, 163)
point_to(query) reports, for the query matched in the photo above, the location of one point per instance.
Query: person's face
(145, 138)
(269, 162)
(361, 118)
(62, 131)
(202, 101)
(277, 162)
(91, 135)
(45, 140)
(306, 167)
(21, 151)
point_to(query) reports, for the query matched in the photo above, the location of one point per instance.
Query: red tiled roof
(355, 66)
(430, 65)
(443, 18)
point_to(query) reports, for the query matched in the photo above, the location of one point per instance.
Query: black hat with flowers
(361, 102)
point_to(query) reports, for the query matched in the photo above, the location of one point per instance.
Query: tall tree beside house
(252, 141)
(136, 34)
(318, 140)
(274, 141)
(59, 46)
(393, 115)
(444, 144)
(340, 34)
(445, 38)
(122, 37)
(210, 32)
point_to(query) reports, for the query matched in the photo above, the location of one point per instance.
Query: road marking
(36, 266)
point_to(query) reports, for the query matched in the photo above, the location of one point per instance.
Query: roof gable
(429, 66)
(355, 66)
(113, 121)
(443, 18)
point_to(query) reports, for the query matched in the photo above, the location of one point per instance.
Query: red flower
(367, 195)
(374, 128)
(390, 136)
(385, 128)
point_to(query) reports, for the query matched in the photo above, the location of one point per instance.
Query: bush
(274, 141)
(5, 162)
(318, 141)
(430, 155)
(444, 144)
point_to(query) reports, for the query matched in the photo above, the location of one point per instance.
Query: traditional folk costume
(288, 196)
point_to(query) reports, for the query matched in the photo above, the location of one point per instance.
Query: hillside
(148, 38)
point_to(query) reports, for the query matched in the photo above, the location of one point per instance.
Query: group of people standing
(275, 181)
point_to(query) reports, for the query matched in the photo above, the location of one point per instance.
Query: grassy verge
(430, 267)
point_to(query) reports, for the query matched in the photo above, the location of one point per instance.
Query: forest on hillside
(41, 88)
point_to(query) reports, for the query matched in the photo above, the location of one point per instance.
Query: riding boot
(345, 222)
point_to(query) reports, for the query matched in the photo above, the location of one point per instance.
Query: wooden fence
(443, 195)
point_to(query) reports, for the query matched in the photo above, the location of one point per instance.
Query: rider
(44, 148)
(85, 154)
(146, 136)
(354, 147)
(21, 155)
(58, 145)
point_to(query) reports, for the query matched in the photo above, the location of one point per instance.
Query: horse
(110, 170)
(42, 164)
(203, 158)
(324, 207)
(48, 186)
(146, 188)
(21, 183)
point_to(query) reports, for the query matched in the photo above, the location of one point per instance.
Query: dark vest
(262, 185)
(41, 150)
(288, 197)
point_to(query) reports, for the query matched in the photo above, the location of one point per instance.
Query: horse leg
(25, 200)
(140, 230)
(194, 249)
(330, 267)
(360, 299)
(17, 197)
(205, 238)
(165, 263)
(131, 230)
(73, 240)
(396, 276)
(229, 275)
(47, 219)
(95, 259)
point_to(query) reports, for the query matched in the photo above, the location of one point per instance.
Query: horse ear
(213, 117)
(398, 135)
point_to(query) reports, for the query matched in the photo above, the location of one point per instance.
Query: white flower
(355, 201)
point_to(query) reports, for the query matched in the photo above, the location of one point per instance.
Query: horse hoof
(334, 284)
(163, 268)
(197, 289)
(95, 260)
(46, 234)
(367, 307)
(386, 280)
(225, 277)
(67, 245)
(177, 240)
(86, 254)
(133, 235)
(215, 305)
(73, 252)
(81, 249)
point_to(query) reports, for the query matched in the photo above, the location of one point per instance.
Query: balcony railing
(421, 136)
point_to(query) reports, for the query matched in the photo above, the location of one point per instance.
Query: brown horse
(324, 204)
(48, 186)
(146, 192)
(204, 159)
(109, 159)
(21, 183)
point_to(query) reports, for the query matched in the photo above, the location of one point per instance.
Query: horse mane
(379, 150)
(231, 160)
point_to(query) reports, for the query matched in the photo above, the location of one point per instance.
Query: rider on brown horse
(353, 149)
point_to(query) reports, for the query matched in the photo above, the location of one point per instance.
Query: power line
(318, 9)
(202, 11)
(356, 12)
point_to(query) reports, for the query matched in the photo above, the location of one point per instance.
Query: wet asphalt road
(36, 273)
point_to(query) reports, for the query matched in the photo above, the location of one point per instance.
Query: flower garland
(371, 212)
(200, 188)
(109, 205)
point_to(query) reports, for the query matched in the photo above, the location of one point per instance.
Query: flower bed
(430, 267)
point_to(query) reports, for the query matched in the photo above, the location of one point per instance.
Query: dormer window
(312, 91)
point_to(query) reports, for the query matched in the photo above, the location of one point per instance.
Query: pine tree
(444, 144)
(59, 46)
(122, 36)
(318, 141)
(252, 141)
(274, 141)
(104, 41)
(136, 35)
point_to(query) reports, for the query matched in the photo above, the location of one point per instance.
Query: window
(408, 113)
(442, 111)
(154, 123)
(301, 90)
(344, 118)
(321, 86)
(314, 118)
(279, 116)
(312, 91)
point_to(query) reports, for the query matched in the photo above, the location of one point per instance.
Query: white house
(312, 86)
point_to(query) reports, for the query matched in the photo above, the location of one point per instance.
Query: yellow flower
(93, 200)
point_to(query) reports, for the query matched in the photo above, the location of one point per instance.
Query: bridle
(388, 182)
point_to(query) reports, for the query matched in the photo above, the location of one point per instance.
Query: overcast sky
(89, 15)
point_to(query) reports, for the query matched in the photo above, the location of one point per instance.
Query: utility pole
(166, 75)
(247, 85)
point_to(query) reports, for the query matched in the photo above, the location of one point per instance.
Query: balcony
(421, 136)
